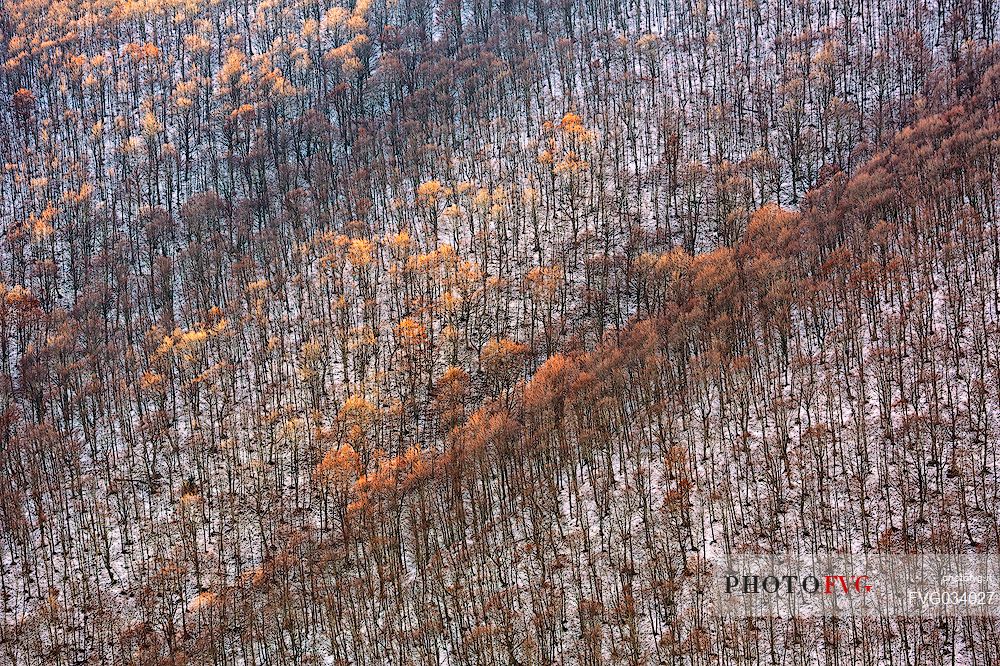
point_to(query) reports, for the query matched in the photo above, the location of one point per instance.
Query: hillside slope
(463, 333)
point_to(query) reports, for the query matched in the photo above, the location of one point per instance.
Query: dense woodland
(463, 332)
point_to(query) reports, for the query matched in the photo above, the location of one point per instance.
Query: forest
(359, 332)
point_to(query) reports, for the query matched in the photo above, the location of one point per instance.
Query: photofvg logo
(865, 585)
(808, 584)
